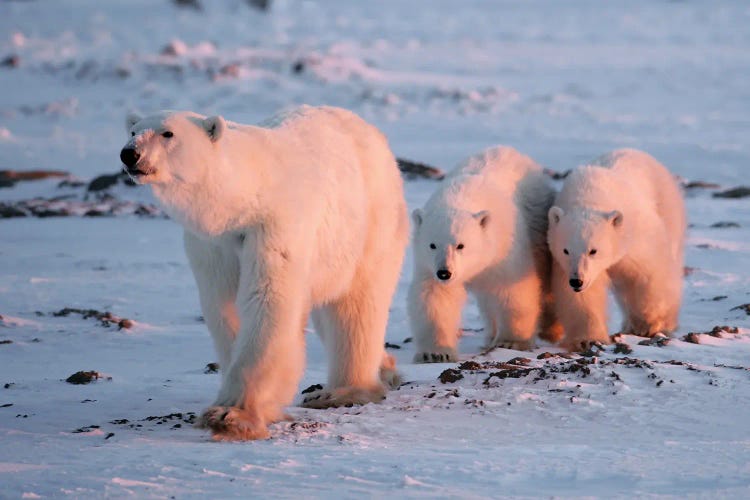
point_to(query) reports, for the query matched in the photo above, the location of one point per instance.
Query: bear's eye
(592, 251)
(132, 134)
(565, 251)
(167, 134)
(432, 245)
(460, 246)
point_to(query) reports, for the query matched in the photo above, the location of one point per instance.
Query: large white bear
(618, 221)
(484, 230)
(304, 213)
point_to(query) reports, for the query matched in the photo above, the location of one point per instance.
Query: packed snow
(561, 82)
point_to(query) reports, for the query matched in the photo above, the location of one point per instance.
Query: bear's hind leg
(354, 335)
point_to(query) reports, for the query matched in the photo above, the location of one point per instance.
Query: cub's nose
(576, 284)
(129, 156)
(443, 274)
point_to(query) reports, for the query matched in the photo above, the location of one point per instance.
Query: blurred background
(562, 81)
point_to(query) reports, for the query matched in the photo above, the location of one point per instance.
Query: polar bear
(619, 220)
(483, 231)
(302, 214)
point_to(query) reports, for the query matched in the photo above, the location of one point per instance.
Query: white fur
(629, 209)
(495, 205)
(304, 214)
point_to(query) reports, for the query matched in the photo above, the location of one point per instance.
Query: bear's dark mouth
(134, 171)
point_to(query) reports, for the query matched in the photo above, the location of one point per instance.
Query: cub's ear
(483, 217)
(416, 216)
(131, 120)
(554, 215)
(615, 217)
(214, 126)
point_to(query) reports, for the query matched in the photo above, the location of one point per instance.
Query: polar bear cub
(619, 221)
(483, 231)
(303, 214)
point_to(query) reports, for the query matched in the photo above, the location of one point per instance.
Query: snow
(562, 82)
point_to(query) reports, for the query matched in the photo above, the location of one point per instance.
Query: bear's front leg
(583, 315)
(435, 317)
(216, 270)
(520, 306)
(268, 354)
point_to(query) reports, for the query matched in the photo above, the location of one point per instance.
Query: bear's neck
(226, 200)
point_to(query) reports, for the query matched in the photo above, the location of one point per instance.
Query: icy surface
(560, 81)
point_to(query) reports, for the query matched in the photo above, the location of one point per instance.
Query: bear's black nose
(129, 156)
(576, 284)
(443, 274)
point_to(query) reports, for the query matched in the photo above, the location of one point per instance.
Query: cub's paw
(517, 345)
(343, 396)
(437, 355)
(229, 423)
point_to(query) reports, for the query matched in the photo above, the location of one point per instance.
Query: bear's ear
(483, 217)
(214, 126)
(416, 216)
(615, 217)
(555, 214)
(131, 120)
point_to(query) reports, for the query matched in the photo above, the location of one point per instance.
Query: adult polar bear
(483, 231)
(619, 220)
(304, 213)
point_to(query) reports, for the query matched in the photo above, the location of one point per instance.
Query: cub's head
(170, 146)
(585, 243)
(452, 245)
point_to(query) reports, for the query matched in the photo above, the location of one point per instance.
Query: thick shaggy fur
(486, 226)
(302, 215)
(621, 222)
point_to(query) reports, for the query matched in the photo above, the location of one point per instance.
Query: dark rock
(211, 368)
(31, 175)
(546, 355)
(6, 405)
(10, 211)
(693, 338)
(388, 345)
(687, 270)
(192, 4)
(738, 192)
(6, 341)
(412, 170)
(519, 361)
(407, 340)
(312, 388)
(125, 323)
(700, 185)
(450, 375)
(724, 224)
(298, 67)
(622, 348)
(80, 378)
(470, 366)
(11, 61)
(743, 307)
(102, 182)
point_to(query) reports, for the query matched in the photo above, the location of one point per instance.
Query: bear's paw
(437, 355)
(229, 423)
(343, 396)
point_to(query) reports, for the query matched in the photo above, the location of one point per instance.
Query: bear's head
(452, 245)
(585, 242)
(170, 146)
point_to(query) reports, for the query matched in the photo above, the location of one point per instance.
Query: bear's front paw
(343, 396)
(229, 423)
(437, 355)
(516, 345)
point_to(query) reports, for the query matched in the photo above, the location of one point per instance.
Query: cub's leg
(520, 307)
(583, 315)
(435, 317)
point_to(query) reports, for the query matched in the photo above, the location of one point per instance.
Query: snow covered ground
(562, 82)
